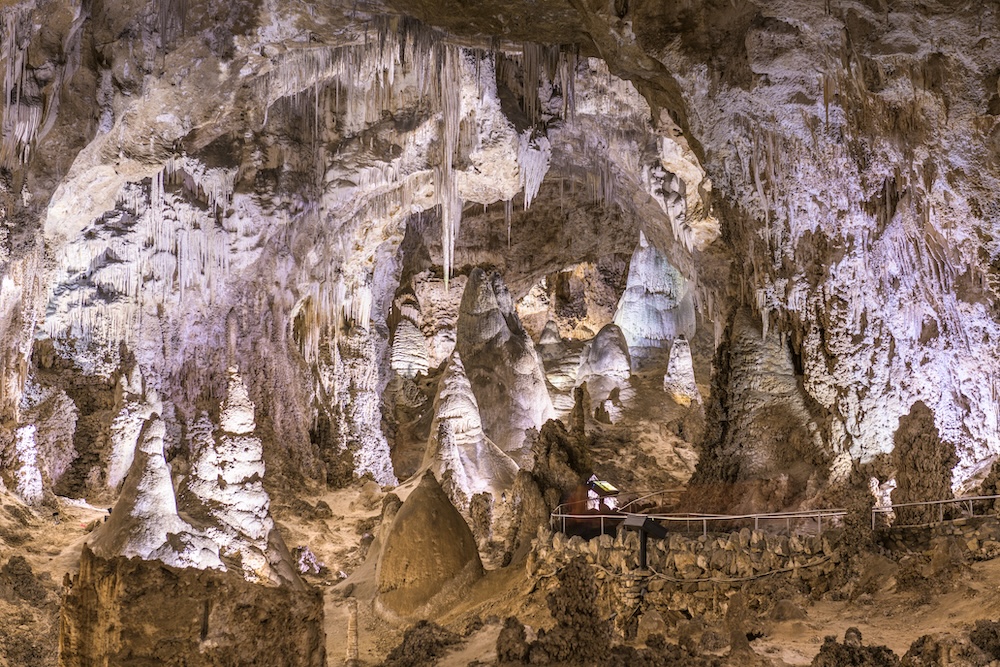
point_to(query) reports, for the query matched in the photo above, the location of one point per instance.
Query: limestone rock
(501, 363)
(409, 350)
(127, 425)
(53, 415)
(428, 550)
(144, 522)
(122, 611)
(457, 441)
(679, 382)
(606, 368)
(657, 305)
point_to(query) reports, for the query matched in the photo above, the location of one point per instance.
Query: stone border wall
(695, 574)
(687, 574)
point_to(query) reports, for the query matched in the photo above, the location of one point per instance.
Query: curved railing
(567, 513)
(967, 501)
(672, 493)
(564, 513)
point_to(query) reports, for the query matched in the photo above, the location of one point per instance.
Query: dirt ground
(339, 536)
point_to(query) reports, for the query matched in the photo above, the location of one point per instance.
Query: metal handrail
(929, 503)
(560, 512)
(817, 515)
(649, 495)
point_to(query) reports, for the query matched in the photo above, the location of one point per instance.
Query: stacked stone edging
(688, 574)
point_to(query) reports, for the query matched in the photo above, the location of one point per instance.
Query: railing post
(564, 524)
(756, 523)
(873, 518)
(704, 526)
(940, 512)
(819, 524)
(602, 524)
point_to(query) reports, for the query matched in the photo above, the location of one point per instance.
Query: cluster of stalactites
(397, 62)
(20, 119)
(155, 249)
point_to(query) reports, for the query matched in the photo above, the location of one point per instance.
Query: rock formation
(123, 611)
(679, 381)
(501, 364)
(656, 306)
(145, 522)
(762, 426)
(606, 367)
(458, 444)
(334, 198)
(428, 552)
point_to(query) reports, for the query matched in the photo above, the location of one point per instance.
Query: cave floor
(51, 545)
(891, 618)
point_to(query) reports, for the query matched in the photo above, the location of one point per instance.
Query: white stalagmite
(352, 379)
(679, 380)
(127, 425)
(657, 305)
(27, 475)
(227, 469)
(606, 368)
(409, 350)
(457, 441)
(144, 522)
(502, 365)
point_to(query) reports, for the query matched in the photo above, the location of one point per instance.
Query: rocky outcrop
(428, 553)
(924, 464)
(350, 372)
(220, 519)
(501, 363)
(121, 611)
(763, 429)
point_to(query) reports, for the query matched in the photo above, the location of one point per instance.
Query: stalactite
(508, 215)
(21, 117)
(533, 156)
(450, 86)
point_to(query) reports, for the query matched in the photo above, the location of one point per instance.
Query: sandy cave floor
(51, 544)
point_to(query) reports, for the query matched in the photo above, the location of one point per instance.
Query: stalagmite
(679, 381)
(144, 522)
(501, 363)
(27, 476)
(657, 305)
(457, 441)
(409, 350)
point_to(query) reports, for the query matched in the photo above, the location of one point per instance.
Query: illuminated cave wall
(188, 187)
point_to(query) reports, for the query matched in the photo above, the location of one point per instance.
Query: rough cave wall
(145, 217)
(881, 275)
(762, 428)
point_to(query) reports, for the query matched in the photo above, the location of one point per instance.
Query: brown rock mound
(123, 612)
(428, 550)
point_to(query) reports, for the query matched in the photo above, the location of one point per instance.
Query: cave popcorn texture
(222, 494)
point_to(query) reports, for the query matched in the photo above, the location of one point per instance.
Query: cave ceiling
(194, 186)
